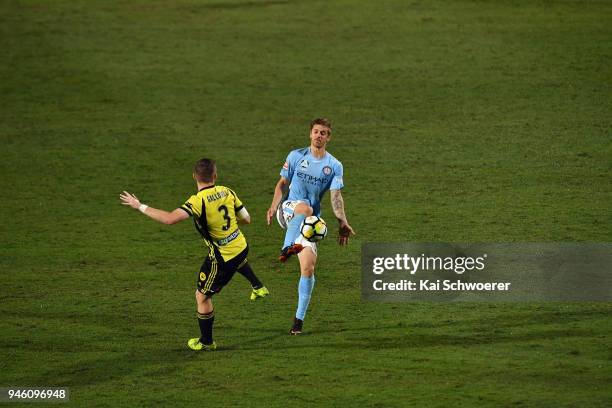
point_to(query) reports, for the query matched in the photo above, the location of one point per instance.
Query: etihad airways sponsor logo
(312, 179)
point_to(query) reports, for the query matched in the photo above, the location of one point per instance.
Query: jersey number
(225, 217)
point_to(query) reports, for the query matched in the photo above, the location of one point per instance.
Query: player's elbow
(245, 220)
(282, 183)
(170, 220)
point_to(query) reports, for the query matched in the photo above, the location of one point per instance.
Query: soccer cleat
(197, 345)
(286, 252)
(297, 327)
(259, 293)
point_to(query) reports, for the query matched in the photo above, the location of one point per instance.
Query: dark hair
(204, 170)
(322, 122)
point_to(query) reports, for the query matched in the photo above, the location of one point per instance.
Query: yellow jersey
(214, 211)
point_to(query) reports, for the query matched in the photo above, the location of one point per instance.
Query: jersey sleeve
(193, 206)
(288, 167)
(237, 202)
(337, 182)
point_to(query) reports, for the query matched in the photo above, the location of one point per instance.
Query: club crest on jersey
(327, 170)
(304, 164)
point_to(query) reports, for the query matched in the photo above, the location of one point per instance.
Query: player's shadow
(408, 340)
(524, 327)
(104, 361)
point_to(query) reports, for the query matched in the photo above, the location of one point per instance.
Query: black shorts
(215, 273)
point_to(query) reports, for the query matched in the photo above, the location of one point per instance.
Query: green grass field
(458, 121)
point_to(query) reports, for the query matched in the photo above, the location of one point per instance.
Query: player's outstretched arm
(279, 192)
(344, 229)
(162, 216)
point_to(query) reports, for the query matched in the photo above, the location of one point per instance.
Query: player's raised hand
(129, 199)
(344, 233)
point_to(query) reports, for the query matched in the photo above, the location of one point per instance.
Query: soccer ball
(313, 228)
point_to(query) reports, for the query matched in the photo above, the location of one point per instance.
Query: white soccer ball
(313, 228)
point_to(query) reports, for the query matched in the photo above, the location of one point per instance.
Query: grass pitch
(455, 121)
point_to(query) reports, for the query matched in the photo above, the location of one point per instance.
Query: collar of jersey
(206, 188)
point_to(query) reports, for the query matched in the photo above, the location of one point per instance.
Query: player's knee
(308, 260)
(303, 208)
(204, 302)
(307, 270)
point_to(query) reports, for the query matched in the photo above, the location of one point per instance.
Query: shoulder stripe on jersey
(182, 207)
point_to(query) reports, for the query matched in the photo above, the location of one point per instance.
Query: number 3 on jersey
(225, 217)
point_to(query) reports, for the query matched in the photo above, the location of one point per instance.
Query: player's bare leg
(301, 211)
(308, 260)
(203, 302)
(206, 319)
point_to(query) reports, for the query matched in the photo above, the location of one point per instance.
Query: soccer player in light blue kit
(308, 173)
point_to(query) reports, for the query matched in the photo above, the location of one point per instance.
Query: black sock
(206, 325)
(248, 273)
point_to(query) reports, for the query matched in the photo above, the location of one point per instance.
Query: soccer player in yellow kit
(216, 212)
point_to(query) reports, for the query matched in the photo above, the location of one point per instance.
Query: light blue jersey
(311, 177)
